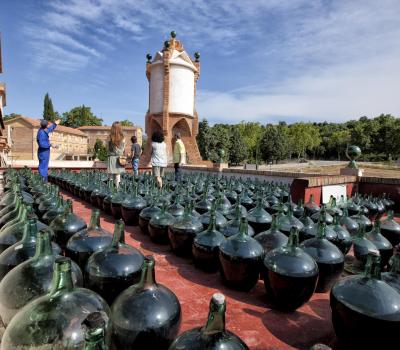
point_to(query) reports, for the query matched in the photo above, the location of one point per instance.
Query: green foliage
(274, 143)
(99, 150)
(10, 116)
(48, 110)
(237, 151)
(339, 141)
(251, 133)
(126, 122)
(203, 139)
(80, 116)
(303, 137)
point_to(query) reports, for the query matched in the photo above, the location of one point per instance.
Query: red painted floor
(248, 314)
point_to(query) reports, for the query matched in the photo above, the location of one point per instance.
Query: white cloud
(340, 93)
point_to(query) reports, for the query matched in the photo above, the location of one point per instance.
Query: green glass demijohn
(114, 268)
(22, 250)
(392, 277)
(241, 259)
(384, 246)
(272, 238)
(233, 225)
(213, 335)
(290, 275)
(182, 232)
(91, 239)
(53, 321)
(365, 309)
(258, 218)
(205, 247)
(94, 327)
(329, 258)
(66, 225)
(31, 279)
(147, 315)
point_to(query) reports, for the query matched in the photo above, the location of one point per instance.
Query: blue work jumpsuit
(44, 150)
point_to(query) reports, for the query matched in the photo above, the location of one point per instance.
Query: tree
(126, 122)
(203, 139)
(274, 143)
(220, 138)
(303, 137)
(251, 133)
(237, 148)
(80, 116)
(99, 150)
(10, 116)
(339, 141)
(48, 110)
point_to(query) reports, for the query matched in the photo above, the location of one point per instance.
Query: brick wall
(22, 142)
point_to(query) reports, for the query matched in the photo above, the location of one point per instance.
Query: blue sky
(262, 60)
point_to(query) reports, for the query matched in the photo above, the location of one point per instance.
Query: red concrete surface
(248, 314)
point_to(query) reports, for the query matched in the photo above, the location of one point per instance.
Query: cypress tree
(48, 110)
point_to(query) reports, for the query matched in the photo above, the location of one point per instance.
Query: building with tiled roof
(103, 133)
(22, 131)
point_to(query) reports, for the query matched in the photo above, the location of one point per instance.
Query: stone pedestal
(351, 171)
(220, 166)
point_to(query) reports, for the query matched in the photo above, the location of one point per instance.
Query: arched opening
(182, 127)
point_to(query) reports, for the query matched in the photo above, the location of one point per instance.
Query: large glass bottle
(365, 309)
(84, 243)
(329, 258)
(115, 268)
(22, 250)
(94, 327)
(52, 213)
(158, 226)
(241, 258)
(31, 279)
(392, 277)
(259, 218)
(132, 206)
(232, 226)
(311, 207)
(66, 225)
(290, 275)
(344, 240)
(146, 215)
(54, 320)
(205, 247)
(391, 229)
(272, 238)
(212, 336)
(183, 231)
(384, 246)
(147, 315)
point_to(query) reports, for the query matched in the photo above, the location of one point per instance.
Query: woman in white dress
(159, 158)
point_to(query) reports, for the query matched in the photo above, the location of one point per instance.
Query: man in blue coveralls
(44, 146)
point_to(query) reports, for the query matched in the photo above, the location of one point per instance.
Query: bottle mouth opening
(218, 298)
(149, 260)
(62, 264)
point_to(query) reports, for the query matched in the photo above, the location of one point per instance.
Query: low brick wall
(303, 188)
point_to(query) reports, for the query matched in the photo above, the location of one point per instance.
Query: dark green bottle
(54, 321)
(94, 328)
(213, 335)
(31, 279)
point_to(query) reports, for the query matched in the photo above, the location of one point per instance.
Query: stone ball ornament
(197, 56)
(353, 152)
(167, 44)
(173, 34)
(221, 154)
(149, 58)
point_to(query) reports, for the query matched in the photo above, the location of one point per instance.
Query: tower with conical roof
(172, 77)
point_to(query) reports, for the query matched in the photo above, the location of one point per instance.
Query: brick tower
(172, 77)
